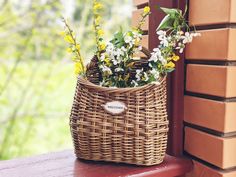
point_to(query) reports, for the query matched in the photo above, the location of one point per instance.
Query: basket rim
(91, 85)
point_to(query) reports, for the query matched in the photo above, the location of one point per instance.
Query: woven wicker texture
(137, 136)
(92, 71)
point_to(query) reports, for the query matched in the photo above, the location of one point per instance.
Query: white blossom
(156, 55)
(161, 33)
(103, 56)
(153, 58)
(146, 78)
(187, 38)
(134, 83)
(102, 83)
(119, 69)
(106, 69)
(164, 42)
(150, 65)
(138, 74)
(136, 34)
(115, 62)
(115, 54)
(123, 49)
(118, 52)
(157, 52)
(178, 35)
(155, 73)
(163, 38)
(181, 50)
(128, 39)
(140, 48)
(180, 47)
(163, 61)
(196, 34)
(110, 49)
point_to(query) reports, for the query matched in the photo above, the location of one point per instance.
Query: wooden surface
(202, 170)
(64, 164)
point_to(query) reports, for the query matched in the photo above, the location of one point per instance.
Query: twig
(75, 44)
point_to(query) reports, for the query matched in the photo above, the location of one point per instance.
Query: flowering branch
(74, 47)
(172, 40)
(146, 12)
(115, 58)
(97, 7)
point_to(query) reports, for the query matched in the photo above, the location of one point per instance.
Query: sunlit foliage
(36, 76)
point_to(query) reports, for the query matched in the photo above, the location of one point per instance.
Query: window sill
(64, 164)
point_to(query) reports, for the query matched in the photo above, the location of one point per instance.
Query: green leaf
(176, 23)
(170, 70)
(171, 12)
(166, 23)
(118, 39)
(186, 9)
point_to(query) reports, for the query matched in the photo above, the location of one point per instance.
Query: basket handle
(146, 52)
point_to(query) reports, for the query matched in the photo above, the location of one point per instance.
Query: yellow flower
(175, 58)
(97, 6)
(78, 68)
(62, 33)
(146, 10)
(69, 50)
(130, 33)
(107, 61)
(127, 77)
(137, 42)
(74, 58)
(170, 65)
(120, 78)
(141, 23)
(100, 32)
(130, 65)
(69, 39)
(169, 59)
(98, 20)
(77, 47)
(102, 46)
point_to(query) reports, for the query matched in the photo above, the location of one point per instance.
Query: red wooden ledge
(64, 164)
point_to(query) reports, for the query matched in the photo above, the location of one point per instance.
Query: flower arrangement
(116, 61)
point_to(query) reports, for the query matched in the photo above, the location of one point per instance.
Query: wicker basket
(136, 133)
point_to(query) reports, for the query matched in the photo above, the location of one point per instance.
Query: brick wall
(210, 97)
(210, 84)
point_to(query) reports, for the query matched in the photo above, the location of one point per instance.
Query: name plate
(115, 107)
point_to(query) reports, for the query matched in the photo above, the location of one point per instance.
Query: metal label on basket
(115, 107)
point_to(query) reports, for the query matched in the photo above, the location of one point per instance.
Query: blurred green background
(37, 79)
